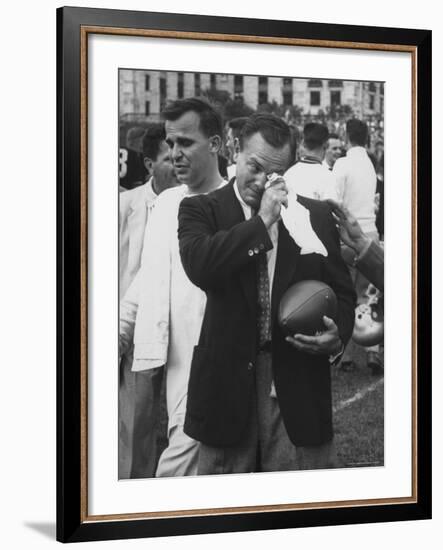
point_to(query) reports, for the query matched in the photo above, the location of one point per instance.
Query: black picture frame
(73, 523)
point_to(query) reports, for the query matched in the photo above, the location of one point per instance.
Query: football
(303, 306)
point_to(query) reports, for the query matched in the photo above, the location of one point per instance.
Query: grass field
(358, 401)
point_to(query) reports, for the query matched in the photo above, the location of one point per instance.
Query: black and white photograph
(218, 321)
(243, 321)
(251, 273)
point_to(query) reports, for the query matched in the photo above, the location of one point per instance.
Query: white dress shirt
(273, 235)
(232, 169)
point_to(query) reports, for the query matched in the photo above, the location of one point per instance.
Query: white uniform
(312, 180)
(356, 186)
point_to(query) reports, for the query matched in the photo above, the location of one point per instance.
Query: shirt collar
(310, 159)
(356, 150)
(247, 210)
(150, 194)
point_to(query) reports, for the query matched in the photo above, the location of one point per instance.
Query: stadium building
(143, 93)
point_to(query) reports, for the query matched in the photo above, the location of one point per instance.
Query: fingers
(339, 215)
(274, 179)
(325, 344)
(276, 190)
(305, 339)
(333, 204)
(320, 337)
(339, 210)
(321, 343)
(271, 201)
(298, 342)
(329, 323)
(279, 185)
(339, 221)
(278, 193)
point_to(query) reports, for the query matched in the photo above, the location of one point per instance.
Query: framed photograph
(244, 325)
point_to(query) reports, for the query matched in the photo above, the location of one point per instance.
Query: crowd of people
(216, 222)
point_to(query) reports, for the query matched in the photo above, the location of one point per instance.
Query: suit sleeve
(211, 256)
(338, 278)
(371, 264)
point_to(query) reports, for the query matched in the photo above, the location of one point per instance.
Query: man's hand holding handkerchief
(295, 216)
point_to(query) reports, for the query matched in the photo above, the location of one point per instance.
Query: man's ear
(236, 149)
(215, 144)
(148, 164)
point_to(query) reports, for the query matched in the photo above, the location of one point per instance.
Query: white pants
(180, 458)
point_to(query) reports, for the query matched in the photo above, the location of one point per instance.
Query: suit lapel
(230, 213)
(288, 253)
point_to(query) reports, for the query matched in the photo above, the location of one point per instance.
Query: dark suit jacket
(219, 250)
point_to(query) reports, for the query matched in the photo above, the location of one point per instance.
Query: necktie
(264, 303)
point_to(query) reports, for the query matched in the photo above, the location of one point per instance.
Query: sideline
(359, 395)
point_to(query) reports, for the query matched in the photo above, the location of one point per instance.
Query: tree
(273, 108)
(228, 107)
(237, 108)
(339, 112)
(219, 98)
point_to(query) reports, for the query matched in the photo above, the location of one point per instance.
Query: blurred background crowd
(331, 103)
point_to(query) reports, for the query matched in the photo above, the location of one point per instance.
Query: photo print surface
(251, 226)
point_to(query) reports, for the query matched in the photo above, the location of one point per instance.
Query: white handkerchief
(297, 221)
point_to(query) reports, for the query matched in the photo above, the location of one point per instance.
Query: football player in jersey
(132, 170)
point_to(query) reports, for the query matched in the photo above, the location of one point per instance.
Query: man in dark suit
(258, 401)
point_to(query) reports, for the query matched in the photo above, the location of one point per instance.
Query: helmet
(369, 320)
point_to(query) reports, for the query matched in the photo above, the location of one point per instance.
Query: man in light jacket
(162, 308)
(136, 432)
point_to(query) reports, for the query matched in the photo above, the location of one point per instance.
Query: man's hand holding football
(325, 343)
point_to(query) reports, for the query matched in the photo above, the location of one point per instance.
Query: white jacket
(135, 208)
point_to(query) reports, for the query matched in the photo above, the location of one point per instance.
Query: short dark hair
(357, 132)
(273, 130)
(236, 125)
(210, 119)
(333, 135)
(154, 135)
(315, 135)
(135, 132)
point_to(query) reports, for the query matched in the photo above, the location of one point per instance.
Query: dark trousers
(266, 446)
